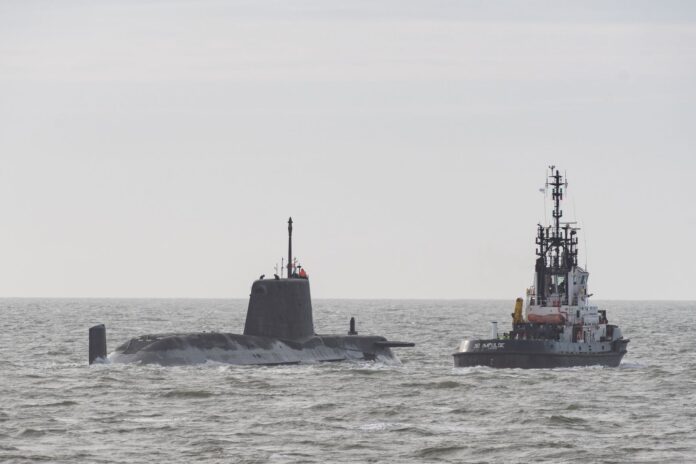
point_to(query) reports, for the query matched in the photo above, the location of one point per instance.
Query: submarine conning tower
(281, 308)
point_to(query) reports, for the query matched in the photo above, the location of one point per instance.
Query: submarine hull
(198, 348)
(279, 329)
(539, 354)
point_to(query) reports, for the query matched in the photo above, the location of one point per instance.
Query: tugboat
(559, 326)
(279, 329)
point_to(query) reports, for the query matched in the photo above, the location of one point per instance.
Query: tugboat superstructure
(558, 327)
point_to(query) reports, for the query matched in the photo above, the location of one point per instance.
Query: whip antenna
(289, 247)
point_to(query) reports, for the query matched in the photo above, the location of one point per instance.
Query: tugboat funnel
(494, 330)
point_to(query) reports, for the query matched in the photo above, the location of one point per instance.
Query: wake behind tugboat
(559, 327)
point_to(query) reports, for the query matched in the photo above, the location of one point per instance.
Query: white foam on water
(632, 365)
(377, 426)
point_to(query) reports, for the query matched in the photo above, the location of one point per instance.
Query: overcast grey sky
(156, 148)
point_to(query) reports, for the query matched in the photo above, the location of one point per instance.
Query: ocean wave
(49, 405)
(187, 394)
(57, 408)
(440, 451)
(558, 419)
(378, 426)
(31, 433)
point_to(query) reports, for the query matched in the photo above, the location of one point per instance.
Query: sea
(54, 407)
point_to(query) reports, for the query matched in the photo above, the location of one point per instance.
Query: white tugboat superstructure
(559, 326)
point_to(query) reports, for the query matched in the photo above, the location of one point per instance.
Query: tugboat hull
(522, 354)
(537, 360)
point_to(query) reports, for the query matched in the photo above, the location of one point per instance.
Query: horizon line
(317, 298)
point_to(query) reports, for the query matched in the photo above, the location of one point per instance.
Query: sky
(157, 148)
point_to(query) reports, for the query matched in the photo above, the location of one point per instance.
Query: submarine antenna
(289, 247)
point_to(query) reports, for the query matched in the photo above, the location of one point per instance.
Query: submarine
(279, 329)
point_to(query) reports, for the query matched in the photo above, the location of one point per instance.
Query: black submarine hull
(537, 354)
(198, 348)
(279, 329)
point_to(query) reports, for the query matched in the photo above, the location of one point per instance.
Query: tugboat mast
(557, 195)
(557, 247)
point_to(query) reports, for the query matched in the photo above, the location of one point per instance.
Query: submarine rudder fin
(97, 343)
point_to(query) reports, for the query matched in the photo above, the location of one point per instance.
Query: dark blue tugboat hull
(537, 355)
